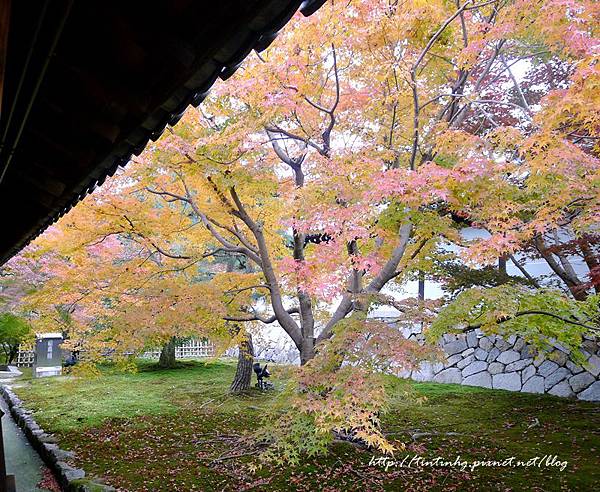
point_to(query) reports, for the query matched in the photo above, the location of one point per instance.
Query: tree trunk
(167, 354)
(12, 354)
(6, 350)
(591, 261)
(502, 265)
(243, 374)
(571, 281)
(307, 351)
(421, 286)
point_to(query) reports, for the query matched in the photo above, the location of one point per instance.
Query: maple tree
(561, 250)
(336, 165)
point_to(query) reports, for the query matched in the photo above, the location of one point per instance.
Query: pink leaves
(410, 187)
(429, 183)
(108, 247)
(311, 278)
(371, 263)
(324, 274)
(577, 21)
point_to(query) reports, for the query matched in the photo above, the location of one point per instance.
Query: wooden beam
(79, 156)
(4, 24)
(85, 121)
(39, 178)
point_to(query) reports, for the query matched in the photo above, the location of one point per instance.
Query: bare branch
(517, 86)
(413, 78)
(160, 250)
(174, 196)
(237, 233)
(268, 320)
(307, 140)
(522, 269)
(250, 287)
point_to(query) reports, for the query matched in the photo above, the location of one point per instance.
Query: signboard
(48, 355)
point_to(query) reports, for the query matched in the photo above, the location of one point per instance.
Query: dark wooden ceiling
(86, 83)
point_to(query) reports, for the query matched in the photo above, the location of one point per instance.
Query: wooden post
(7, 482)
(421, 286)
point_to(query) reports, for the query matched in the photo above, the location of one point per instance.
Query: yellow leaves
(127, 364)
(506, 137)
(575, 108)
(85, 369)
(457, 143)
(384, 446)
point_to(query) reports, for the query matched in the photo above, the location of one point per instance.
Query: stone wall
(509, 364)
(71, 479)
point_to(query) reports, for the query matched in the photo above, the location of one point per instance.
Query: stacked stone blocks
(475, 359)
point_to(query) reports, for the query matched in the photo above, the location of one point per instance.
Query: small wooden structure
(48, 355)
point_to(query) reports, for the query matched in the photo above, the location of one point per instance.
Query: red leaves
(48, 482)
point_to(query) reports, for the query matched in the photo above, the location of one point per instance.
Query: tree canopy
(338, 165)
(14, 330)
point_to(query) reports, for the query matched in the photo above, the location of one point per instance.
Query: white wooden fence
(25, 358)
(192, 349)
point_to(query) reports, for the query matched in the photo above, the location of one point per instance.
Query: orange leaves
(358, 143)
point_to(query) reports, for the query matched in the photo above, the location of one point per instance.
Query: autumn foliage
(335, 167)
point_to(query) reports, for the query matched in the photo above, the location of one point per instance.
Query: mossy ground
(178, 430)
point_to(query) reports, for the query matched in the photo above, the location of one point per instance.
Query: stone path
(21, 459)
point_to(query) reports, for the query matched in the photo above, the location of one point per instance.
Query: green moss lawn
(178, 430)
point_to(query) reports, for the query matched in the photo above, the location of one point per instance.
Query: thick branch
(327, 132)
(307, 141)
(572, 284)
(537, 312)
(285, 320)
(283, 155)
(268, 320)
(388, 272)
